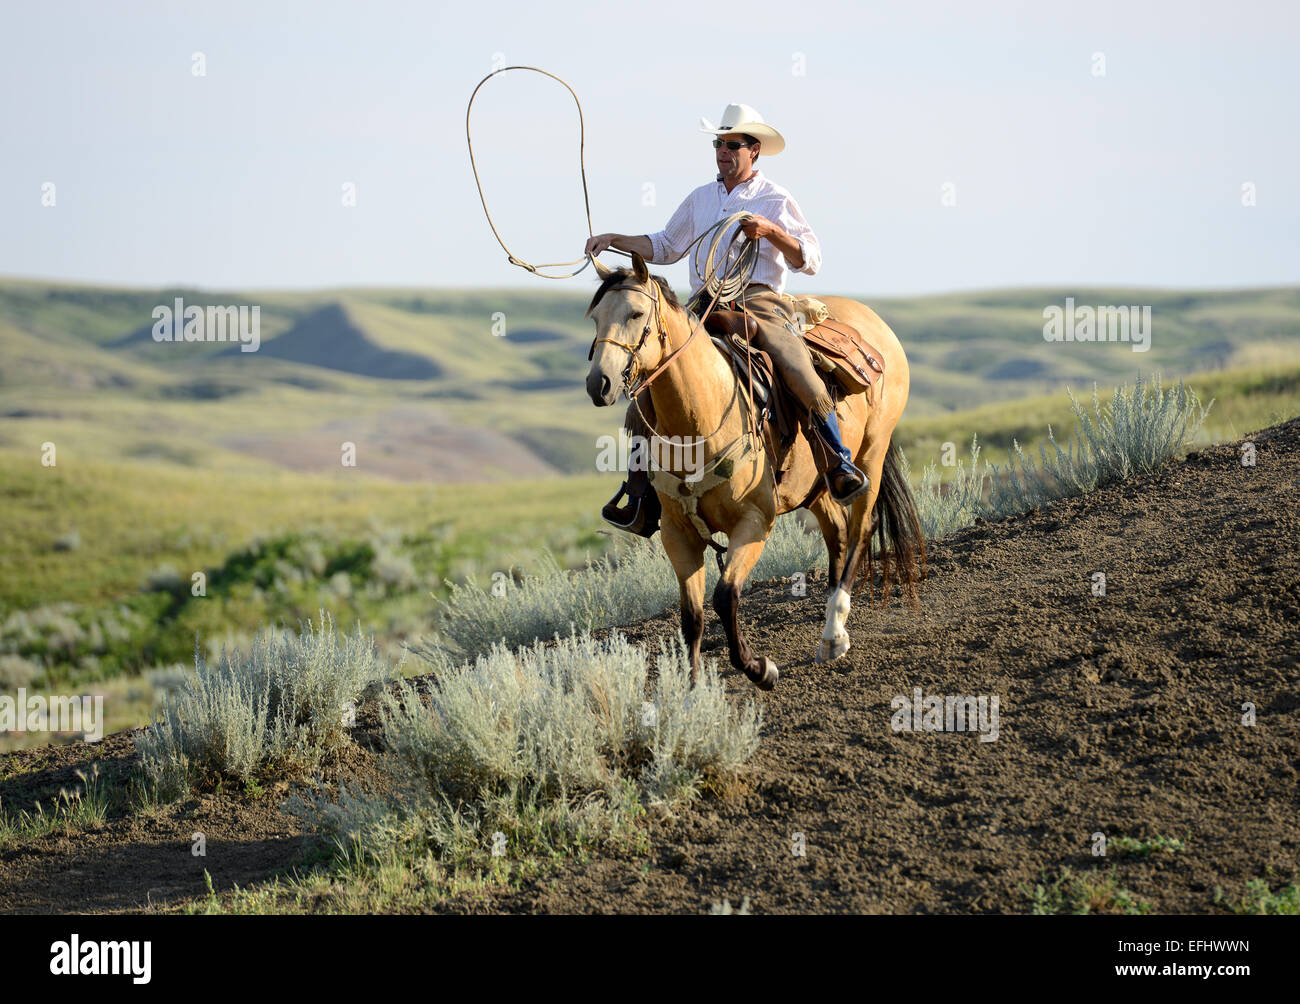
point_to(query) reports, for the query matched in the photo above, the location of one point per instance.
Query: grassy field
(97, 558)
(133, 517)
(177, 459)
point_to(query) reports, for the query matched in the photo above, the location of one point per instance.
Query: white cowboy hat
(743, 119)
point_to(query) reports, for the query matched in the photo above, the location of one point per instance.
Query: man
(786, 243)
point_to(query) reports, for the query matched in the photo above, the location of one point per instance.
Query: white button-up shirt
(710, 203)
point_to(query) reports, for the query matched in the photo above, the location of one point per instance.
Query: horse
(694, 389)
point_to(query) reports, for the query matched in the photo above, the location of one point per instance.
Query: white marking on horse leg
(837, 611)
(835, 639)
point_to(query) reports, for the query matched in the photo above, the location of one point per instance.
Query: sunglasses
(729, 144)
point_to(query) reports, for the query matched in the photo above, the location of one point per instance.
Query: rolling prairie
(475, 448)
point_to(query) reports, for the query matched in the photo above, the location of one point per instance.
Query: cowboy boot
(641, 513)
(844, 481)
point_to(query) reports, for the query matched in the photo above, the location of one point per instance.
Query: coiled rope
(735, 278)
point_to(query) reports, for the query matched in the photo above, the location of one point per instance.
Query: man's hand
(621, 242)
(600, 243)
(759, 226)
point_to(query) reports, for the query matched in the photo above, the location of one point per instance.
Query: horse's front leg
(745, 544)
(686, 552)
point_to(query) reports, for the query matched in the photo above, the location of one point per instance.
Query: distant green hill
(331, 338)
(971, 349)
(456, 385)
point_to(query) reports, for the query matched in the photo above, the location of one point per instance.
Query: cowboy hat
(743, 119)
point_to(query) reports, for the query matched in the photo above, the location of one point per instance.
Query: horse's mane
(621, 274)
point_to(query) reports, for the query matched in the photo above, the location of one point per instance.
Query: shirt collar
(752, 178)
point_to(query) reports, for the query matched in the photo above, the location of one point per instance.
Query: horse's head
(630, 310)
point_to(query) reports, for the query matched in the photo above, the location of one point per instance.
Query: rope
(737, 276)
(733, 280)
(582, 136)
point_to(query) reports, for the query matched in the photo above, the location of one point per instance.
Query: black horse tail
(899, 539)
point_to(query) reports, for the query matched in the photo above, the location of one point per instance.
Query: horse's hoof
(764, 674)
(829, 651)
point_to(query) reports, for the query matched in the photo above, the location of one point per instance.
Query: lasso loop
(586, 259)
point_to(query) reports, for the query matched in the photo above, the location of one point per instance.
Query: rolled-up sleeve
(670, 243)
(792, 221)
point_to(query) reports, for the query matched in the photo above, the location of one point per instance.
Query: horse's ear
(602, 270)
(638, 268)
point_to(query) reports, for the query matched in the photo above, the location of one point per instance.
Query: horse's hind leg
(686, 552)
(835, 635)
(831, 517)
(745, 544)
(833, 520)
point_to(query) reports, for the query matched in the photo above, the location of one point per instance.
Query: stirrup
(640, 515)
(848, 497)
(828, 431)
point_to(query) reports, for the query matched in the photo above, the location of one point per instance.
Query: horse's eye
(636, 315)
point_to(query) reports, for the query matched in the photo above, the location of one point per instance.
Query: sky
(931, 146)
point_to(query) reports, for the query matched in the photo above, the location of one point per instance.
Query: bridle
(633, 367)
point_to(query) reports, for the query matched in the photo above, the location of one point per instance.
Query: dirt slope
(1119, 714)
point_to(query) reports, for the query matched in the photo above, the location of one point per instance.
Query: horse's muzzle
(600, 389)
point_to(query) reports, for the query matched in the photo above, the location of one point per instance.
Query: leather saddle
(733, 334)
(778, 411)
(846, 362)
(839, 351)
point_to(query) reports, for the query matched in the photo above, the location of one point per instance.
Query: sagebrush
(629, 585)
(280, 709)
(1138, 430)
(541, 750)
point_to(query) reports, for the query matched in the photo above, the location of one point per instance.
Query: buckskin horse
(645, 341)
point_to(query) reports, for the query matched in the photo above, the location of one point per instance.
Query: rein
(634, 388)
(656, 313)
